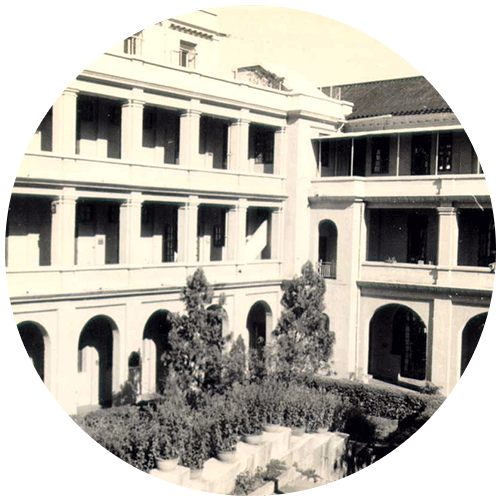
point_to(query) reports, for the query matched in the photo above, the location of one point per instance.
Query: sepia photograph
(250, 250)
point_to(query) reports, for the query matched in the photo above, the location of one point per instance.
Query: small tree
(303, 343)
(195, 344)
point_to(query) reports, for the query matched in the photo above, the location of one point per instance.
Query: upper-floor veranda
(435, 163)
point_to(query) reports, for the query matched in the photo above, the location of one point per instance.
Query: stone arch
(397, 344)
(470, 338)
(259, 324)
(98, 362)
(36, 342)
(155, 342)
(327, 249)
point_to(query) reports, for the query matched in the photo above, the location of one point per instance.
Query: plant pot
(196, 474)
(321, 430)
(272, 428)
(253, 438)
(168, 464)
(298, 431)
(227, 456)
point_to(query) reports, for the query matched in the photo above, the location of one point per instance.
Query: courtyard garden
(216, 392)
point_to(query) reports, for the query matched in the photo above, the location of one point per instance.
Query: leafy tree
(195, 343)
(303, 343)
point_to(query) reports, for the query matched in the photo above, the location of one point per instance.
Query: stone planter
(253, 438)
(196, 474)
(167, 465)
(321, 430)
(272, 428)
(228, 456)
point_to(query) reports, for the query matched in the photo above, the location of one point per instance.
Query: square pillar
(188, 230)
(64, 123)
(238, 145)
(237, 222)
(280, 151)
(448, 236)
(131, 127)
(189, 141)
(63, 229)
(276, 233)
(130, 230)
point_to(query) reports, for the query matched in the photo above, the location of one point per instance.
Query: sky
(325, 50)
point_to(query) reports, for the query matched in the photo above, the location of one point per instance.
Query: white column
(348, 269)
(238, 145)
(276, 233)
(63, 229)
(64, 123)
(448, 236)
(237, 231)
(130, 230)
(131, 127)
(280, 151)
(188, 230)
(189, 141)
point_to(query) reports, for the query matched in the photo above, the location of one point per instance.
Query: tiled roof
(402, 96)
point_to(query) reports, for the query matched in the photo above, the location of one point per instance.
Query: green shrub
(387, 402)
(358, 426)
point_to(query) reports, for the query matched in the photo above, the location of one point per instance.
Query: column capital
(70, 92)
(447, 210)
(67, 195)
(133, 103)
(240, 121)
(136, 199)
(190, 112)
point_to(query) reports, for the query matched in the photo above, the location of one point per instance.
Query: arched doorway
(97, 362)
(35, 341)
(398, 344)
(327, 249)
(259, 325)
(470, 338)
(155, 342)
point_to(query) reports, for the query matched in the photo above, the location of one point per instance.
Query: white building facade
(151, 165)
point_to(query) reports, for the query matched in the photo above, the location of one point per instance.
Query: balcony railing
(112, 278)
(327, 269)
(471, 278)
(373, 188)
(110, 171)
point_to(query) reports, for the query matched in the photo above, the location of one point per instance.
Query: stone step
(320, 452)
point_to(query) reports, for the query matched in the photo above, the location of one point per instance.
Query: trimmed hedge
(387, 402)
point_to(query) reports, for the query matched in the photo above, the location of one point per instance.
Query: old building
(151, 164)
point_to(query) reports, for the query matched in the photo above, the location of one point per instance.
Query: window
(445, 152)
(218, 235)
(133, 44)
(187, 55)
(264, 146)
(113, 214)
(88, 110)
(421, 155)
(417, 238)
(85, 213)
(487, 244)
(380, 155)
(169, 243)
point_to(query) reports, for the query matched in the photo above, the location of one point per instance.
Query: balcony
(467, 278)
(45, 166)
(434, 187)
(113, 278)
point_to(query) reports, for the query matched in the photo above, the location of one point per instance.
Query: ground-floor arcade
(412, 336)
(87, 349)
